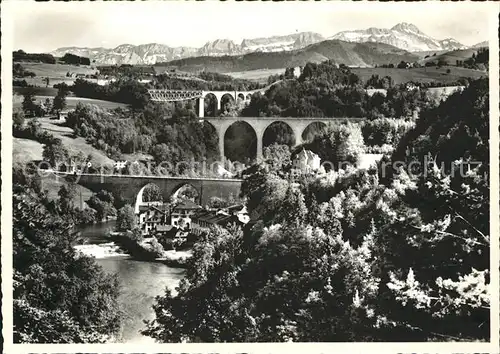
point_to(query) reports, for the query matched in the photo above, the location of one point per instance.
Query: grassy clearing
(430, 74)
(452, 56)
(26, 150)
(71, 102)
(56, 70)
(260, 75)
(74, 144)
(51, 184)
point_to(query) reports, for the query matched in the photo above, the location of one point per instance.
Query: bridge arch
(186, 190)
(240, 138)
(241, 96)
(279, 132)
(225, 100)
(210, 105)
(143, 197)
(313, 129)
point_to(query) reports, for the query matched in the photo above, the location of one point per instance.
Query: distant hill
(481, 44)
(341, 52)
(451, 57)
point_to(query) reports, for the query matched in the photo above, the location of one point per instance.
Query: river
(140, 281)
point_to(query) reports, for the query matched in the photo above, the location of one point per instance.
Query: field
(52, 184)
(422, 54)
(429, 74)
(260, 75)
(26, 150)
(55, 72)
(452, 56)
(71, 102)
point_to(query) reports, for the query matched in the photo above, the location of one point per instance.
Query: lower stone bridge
(128, 188)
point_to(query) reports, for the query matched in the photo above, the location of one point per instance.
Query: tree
(277, 155)
(29, 104)
(340, 144)
(103, 204)
(402, 65)
(443, 294)
(217, 203)
(60, 99)
(126, 218)
(152, 193)
(67, 193)
(55, 153)
(59, 296)
(17, 121)
(47, 105)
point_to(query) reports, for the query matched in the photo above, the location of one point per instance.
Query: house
(151, 216)
(307, 160)
(411, 87)
(296, 71)
(203, 220)
(182, 212)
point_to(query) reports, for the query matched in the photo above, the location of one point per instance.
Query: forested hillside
(353, 255)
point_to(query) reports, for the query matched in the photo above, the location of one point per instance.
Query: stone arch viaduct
(298, 126)
(127, 187)
(181, 95)
(259, 124)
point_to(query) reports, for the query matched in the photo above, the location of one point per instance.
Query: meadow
(426, 74)
(71, 102)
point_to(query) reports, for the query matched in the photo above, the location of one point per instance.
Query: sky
(43, 27)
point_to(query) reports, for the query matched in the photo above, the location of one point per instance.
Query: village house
(306, 160)
(297, 71)
(151, 216)
(203, 220)
(182, 212)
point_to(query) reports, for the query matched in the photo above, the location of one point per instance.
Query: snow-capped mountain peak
(405, 27)
(404, 35)
(152, 53)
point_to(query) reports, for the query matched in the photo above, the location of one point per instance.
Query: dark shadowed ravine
(140, 281)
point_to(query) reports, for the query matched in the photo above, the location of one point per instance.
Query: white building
(307, 160)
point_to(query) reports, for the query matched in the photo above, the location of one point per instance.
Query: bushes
(384, 131)
(338, 144)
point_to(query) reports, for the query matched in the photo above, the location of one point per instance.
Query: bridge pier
(201, 107)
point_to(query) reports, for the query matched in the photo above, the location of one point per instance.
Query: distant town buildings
(187, 217)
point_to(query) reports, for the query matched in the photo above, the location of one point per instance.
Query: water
(140, 281)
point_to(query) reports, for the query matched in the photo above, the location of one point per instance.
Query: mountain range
(341, 52)
(154, 53)
(404, 36)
